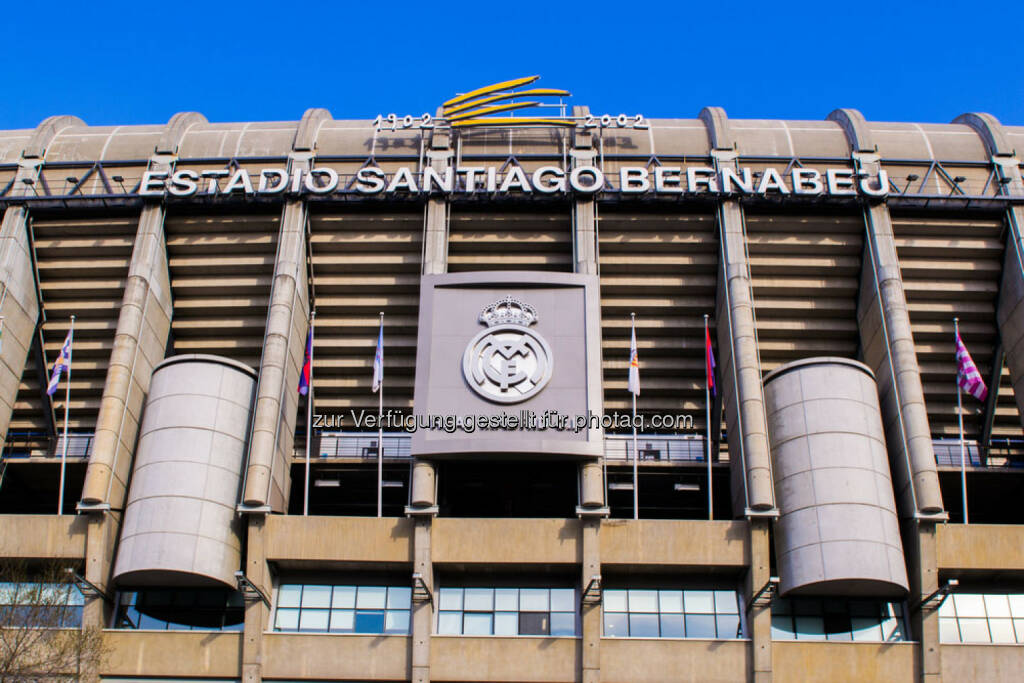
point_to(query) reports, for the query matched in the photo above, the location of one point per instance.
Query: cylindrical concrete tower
(838, 533)
(180, 527)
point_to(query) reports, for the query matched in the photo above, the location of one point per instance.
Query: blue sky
(121, 63)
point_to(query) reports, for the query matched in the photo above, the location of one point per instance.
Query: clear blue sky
(126, 63)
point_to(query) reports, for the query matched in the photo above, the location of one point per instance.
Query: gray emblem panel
(539, 354)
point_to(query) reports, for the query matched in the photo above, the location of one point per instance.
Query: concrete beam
(140, 342)
(20, 302)
(176, 129)
(740, 365)
(856, 128)
(1010, 307)
(45, 132)
(888, 344)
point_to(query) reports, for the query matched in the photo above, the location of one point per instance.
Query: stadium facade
(519, 537)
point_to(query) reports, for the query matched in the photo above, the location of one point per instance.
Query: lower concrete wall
(982, 662)
(43, 536)
(492, 541)
(828, 662)
(333, 656)
(653, 661)
(173, 653)
(677, 543)
(463, 658)
(338, 539)
(990, 547)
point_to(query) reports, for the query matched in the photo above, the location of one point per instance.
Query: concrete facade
(846, 470)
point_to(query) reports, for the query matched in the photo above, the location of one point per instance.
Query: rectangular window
(507, 612)
(982, 618)
(328, 608)
(41, 605)
(837, 619)
(665, 613)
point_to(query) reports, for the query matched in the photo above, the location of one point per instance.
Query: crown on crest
(509, 311)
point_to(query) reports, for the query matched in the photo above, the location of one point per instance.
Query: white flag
(634, 365)
(378, 360)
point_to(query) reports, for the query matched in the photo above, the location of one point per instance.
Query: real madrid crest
(507, 362)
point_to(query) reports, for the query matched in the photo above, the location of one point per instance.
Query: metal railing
(41, 445)
(617, 447)
(1001, 453)
(655, 447)
(357, 445)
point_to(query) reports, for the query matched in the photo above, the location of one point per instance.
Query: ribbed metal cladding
(663, 267)
(952, 268)
(510, 239)
(221, 269)
(805, 272)
(365, 262)
(83, 266)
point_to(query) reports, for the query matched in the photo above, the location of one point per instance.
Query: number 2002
(609, 121)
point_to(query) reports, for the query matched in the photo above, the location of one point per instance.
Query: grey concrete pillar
(257, 614)
(423, 484)
(590, 609)
(1010, 308)
(268, 477)
(585, 260)
(435, 261)
(140, 341)
(740, 365)
(422, 610)
(759, 617)
(435, 224)
(19, 298)
(887, 342)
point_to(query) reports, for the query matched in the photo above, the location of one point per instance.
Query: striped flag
(307, 368)
(634, 365)
(709, 362)
(63, 363)
(967, 376)
(378, 360)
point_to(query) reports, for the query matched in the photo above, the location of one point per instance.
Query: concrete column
(435, 261)
(435, 222)
(888, 344)
(584, 208)
(590, 609)
(20, 307)
(585, 260)
(759, 619)
(140, 341)
(422, 610)
(143, 326)
(256, 612)
(740, 364)
(1010, 308)
(19, 298)
(268, 477)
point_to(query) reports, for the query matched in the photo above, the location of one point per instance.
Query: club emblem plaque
(507, 362)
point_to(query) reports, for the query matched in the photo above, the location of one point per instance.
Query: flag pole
(67, 401)
(380, 428)
(309, 413)
(960, 418)
(636, 453)
(707, 411)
